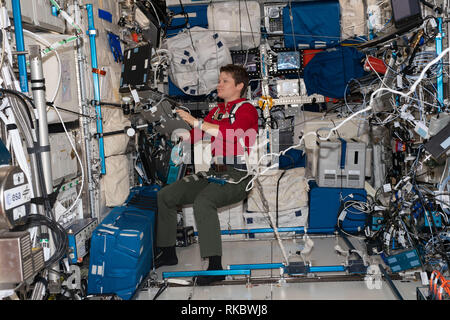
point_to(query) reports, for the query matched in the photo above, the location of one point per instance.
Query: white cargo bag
(116, 182)
(237, 23)
(196, 57)
(292, 191)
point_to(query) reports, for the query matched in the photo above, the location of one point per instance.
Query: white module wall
(39, 14)
(64, 161)
(67, 94)
(27, 10)
(45, 19)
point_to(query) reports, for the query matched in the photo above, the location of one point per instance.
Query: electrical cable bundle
(438, 284)
(361, 207)
(433, 252)
(427, 208)
(27, 123)
(59, 235)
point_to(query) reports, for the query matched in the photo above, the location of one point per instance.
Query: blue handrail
(18, 31)
(92, 33)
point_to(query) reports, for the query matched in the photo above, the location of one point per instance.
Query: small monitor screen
(403, 9)
(289, 60)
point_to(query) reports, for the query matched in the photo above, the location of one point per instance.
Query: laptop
(406, 15)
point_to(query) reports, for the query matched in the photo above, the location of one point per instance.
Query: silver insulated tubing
(38, 90)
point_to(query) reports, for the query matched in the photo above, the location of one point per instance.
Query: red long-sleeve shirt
(227, 142)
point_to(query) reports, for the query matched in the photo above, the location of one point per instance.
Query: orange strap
(98, 71)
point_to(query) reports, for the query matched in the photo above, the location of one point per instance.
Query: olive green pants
(206, 197)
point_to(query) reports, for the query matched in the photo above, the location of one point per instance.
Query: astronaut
(231, 122)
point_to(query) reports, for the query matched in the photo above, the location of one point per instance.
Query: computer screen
(289, 60)
(405, 11)
(136, 68)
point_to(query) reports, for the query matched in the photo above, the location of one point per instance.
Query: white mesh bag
(196, 57)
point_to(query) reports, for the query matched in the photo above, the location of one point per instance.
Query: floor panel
(268, 251)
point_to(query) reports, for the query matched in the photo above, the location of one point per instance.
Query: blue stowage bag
(196, 15)
(314, 23)
(293, 158)
(121, 251)
(329, 71)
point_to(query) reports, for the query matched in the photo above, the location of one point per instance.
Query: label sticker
(135, 96)
(446, 143)
(17, 196)
(19, 212)
(18, 178)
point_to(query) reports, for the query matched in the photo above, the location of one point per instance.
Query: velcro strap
(38, 88)
(38, 149)
(98, 71)
(37, 81)
(11, 126)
